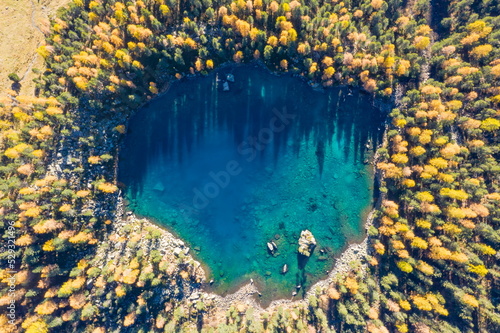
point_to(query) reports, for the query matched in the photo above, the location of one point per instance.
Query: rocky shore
(127, 226)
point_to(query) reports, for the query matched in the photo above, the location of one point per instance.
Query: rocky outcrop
(307, 243)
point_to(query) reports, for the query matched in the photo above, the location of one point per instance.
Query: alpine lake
(229, 171)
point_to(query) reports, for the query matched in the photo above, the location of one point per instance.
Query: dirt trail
(22, 23)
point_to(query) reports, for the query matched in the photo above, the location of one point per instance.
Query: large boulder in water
(307, 243)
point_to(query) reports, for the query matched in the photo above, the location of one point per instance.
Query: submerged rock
(159, 187)
(307, 243)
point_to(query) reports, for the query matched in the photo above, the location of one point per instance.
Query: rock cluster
(306, 243)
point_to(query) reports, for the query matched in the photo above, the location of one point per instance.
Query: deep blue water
(230, 171)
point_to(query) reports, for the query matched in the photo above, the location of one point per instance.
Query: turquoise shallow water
(229, 171)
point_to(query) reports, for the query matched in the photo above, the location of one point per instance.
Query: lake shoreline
(354, 250)
(344, 195)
